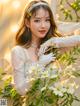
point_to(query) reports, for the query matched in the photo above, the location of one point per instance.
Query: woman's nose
(42, 24)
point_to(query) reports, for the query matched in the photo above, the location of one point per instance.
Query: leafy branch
(74, 6)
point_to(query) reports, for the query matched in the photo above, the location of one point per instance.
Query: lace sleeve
(18, 60)
(68, 41)
(67, 27)
(60, 42)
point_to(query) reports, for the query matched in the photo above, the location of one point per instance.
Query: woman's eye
(36, 20)
(48, 20)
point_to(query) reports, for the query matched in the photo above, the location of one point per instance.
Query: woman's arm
(68, 41)
(17, 61)
(59, 42)
(67, 27)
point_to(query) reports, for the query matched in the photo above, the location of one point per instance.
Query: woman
(38, 26)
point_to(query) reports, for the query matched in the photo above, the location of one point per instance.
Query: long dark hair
(24, 36)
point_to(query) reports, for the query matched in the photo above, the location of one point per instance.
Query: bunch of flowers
(51, 86)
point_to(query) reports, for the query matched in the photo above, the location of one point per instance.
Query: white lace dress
(21, 61)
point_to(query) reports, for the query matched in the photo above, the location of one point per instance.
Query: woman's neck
(35, 43)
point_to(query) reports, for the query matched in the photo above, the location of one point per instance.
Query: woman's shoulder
(18, 48)
(19, 52)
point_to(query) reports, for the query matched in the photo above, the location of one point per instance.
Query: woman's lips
(42, 31)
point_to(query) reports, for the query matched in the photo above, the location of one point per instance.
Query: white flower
(70, 90)
(58, 89)
(53, 73)
(42, 89)
(63, 89)
(51, 87)
(35, 71)
(32, 69)
(58, 92)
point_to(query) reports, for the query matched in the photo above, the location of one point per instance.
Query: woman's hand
(45, 46)
(46, 59)
(42, 49)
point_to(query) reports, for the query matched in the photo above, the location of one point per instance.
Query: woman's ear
(27, 23)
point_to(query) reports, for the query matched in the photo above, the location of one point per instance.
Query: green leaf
(49, 99)
(76, 98)
(76, 73)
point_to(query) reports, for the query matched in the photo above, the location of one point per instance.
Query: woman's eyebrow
(42, 17)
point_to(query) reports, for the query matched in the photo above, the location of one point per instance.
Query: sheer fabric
(20, 64)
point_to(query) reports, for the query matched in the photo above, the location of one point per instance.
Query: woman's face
(40, 23)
